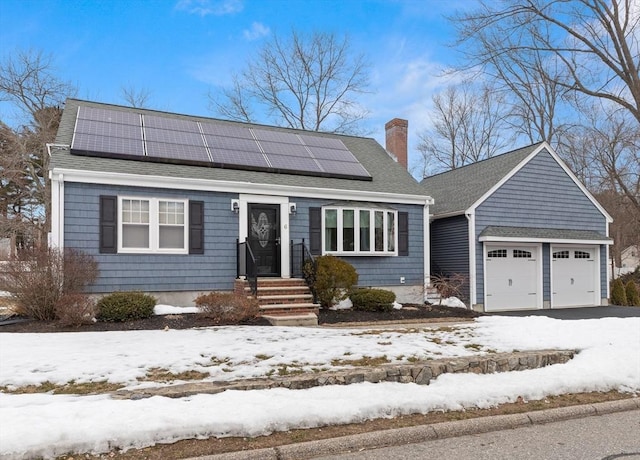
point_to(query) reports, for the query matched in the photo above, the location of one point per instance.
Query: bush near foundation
(334, 280)
(372, 299)
(633, 298)
(76, 310)
(618, 294)
(39, 278)
(125, 306)
(227, 307)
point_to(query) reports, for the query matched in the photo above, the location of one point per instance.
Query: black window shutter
(196, 227)
(108, 224)
(403, 233)
(315, 231)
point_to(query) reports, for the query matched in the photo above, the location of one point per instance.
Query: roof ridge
(485, 160)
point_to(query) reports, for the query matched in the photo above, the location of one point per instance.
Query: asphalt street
(604, 437)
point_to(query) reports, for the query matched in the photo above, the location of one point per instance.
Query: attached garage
(574, 276)
(513, 277)
(523, 230)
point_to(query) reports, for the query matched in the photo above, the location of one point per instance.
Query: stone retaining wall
(421, 373)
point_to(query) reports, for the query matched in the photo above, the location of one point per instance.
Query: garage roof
(547, 235)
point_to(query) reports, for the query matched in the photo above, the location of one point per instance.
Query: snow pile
(161, 309)
(453, 302)
(48, 425)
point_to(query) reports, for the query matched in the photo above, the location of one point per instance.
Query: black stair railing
(303, 264)
(246, 265)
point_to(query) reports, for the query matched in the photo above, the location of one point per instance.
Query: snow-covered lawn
(49, 425)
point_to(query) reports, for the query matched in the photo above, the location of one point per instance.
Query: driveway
(578, 313)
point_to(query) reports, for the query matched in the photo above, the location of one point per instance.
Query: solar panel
(285, 149)
(107, 144)
(232, 143)
(239, 158)
(105, 132)
(341, 167)
(172, 124)
(329, 154)
(279, 137)
(108, 129)
(220, 129)
(292, 163)
(108, 116)
(185, 152)
(173, 137)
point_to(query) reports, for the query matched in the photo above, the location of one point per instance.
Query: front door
(264, 237)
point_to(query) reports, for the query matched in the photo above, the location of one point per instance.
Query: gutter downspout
(471, 217)
(426, 219)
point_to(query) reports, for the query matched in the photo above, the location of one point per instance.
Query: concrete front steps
(283, 301)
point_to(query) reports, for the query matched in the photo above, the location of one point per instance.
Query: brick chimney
(396, 139)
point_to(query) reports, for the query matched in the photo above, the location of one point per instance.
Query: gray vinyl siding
(604, 274)
(540, 195)
(375, 271)
(546, 268)
(213, 270)
(450, 247)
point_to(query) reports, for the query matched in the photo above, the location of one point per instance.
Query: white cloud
(257, 30)
(207, 7)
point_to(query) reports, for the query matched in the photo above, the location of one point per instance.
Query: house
(523, 230)
(168, 203)
(629, 260)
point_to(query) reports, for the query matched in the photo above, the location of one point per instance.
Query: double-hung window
(152, 225)
(359, 231)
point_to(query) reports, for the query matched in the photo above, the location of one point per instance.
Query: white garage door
(575, 276)
(512, 278)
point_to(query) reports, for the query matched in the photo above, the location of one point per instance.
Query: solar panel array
(120, 134)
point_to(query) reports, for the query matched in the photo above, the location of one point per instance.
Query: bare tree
(594, 43)
(136, 98)
(302, 81)
(28, 82)
(467, 126)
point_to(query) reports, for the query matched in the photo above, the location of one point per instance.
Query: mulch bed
(187, 321)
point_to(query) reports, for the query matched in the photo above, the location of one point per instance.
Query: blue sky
(179, 50)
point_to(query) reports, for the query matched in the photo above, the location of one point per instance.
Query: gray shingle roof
(388, 175)
(456, 190)
(543, 233)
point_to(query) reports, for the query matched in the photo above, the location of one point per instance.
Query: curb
(421, 433)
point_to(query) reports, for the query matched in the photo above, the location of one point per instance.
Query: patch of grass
(385, 343)
(69, 388)
(473, 346)
(262, 357)
(399, 357)
(413, 359)
(157, 374)
(288, 370)
(365, 361)
(215, 361)
(436, 340)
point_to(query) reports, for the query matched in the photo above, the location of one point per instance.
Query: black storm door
(264, 237)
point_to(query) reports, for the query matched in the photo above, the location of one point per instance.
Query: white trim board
(498, 239)
(135, 180)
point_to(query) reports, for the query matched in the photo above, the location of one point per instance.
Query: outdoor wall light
(235, 206)
(292, 208)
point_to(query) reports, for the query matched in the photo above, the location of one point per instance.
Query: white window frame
(357, 252)
(154, 226)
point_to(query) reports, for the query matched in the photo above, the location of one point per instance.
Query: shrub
(618, 295)
(125, 306)
(449, 285)
(372, 299)
(227, 307)
(38, 279)
(76, 310)
(633, 298)
(334, 279)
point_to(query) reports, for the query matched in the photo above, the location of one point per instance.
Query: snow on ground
(49, 425)
(161, 309)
